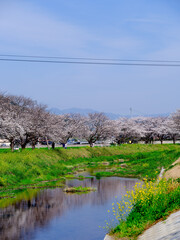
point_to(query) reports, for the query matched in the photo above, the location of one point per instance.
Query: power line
(87, 58)
(91, 63)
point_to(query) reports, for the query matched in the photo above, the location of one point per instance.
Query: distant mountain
(112, 116)
(82, 112)
(158, 115)
(72, 110)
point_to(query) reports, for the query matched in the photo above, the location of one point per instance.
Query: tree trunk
(12, 145)
(23, 146)
(91, 144)
(174, 140)
(38, 144)
(47, 143)
(33, 145)
(23, 143)
(53, 145)
(119, 142)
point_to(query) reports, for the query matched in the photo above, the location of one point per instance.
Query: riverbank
(166, 229)
(151, 202)
(43, 167)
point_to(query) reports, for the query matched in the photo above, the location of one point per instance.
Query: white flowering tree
(64, 127)
(146, 126)
(9, 127)
(28, 118)
(126, 130)
(95, 127)
(171, 129)
(160, 128)
(176, 119)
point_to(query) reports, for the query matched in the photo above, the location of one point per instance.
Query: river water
(53, 214)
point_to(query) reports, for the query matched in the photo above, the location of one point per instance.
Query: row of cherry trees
(148, 129)
(24, 121)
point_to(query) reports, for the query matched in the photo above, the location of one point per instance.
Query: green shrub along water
(33, 166)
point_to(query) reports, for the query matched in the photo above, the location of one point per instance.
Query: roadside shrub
(2, 182)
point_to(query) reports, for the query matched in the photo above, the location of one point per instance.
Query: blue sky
(99, 29)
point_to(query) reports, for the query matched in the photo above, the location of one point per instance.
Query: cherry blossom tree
(126, 130)
(176, 119)
(160, 128)
(95, 127)
(146, 128)
(23, 120)
(171, 129)
(64, 127)
(9, 127)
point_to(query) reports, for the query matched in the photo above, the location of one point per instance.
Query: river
(53, 214)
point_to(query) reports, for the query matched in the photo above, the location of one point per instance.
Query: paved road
(168, 229)
(165, 230)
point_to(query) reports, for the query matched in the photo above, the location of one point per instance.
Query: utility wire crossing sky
(94, 61)
(87, 58)
(102, 55)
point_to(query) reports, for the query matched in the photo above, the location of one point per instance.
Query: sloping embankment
(164, 230)
(174, 172)
(170, 228)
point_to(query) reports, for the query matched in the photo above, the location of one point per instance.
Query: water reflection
(52, 214)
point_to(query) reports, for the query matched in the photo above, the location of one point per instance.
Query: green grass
(35, 166)
(140, 165)
(20, 171)
(79, 189)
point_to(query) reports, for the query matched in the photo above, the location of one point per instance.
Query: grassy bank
(143, 164)
(148, 203)
(46, 167)
(22, 170)
(43, 164)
